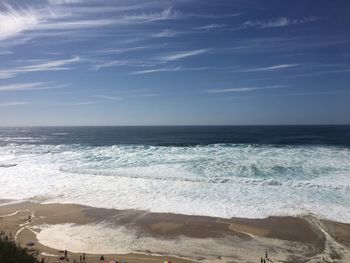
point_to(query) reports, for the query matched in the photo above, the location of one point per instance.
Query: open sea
(223, 171)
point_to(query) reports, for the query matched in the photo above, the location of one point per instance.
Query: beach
(141, 236)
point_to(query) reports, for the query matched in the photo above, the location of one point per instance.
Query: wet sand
(141, 236)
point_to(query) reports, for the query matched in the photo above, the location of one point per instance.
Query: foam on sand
(102, 239)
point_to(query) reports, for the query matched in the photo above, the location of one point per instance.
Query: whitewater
(221, 179)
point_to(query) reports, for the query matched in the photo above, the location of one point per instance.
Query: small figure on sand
(65, 253)
(84, 257)
(102, 258)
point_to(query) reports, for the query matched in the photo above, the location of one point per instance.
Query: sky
(167, 62)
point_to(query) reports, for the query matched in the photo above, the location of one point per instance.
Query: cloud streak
(279, 22)
(106, 97)
(270, 68)
(30, 86)
(243, 89)
(79, 103)
(183, 54)
(13, 103)
(48, 65)
(210, 27)
(119, 50)
(166, 33)
(167, 69)
(127, 95)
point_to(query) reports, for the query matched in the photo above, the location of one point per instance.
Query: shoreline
(135, 235)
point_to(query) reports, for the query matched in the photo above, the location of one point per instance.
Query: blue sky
(163, 62)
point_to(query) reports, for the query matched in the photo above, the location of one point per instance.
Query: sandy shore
(140, 236)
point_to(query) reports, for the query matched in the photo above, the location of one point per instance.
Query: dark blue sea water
(179, 135)
(226, 171)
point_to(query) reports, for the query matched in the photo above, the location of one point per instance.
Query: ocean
(221, 171)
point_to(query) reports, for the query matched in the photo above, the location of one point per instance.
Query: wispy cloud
(270, 68)
(311, 74)
(107, 97)
(79, 103)
(167, 69)
(318, 92)
(125, 63)
(166, 14)
(119, 50)
(279, 22)
(31, 86)
(127, 94)
(152, 63)
(5, 52)
(243, 89)
(61, 2)
(126, 19)
(74, 25)
(212, 16)
(13, 22)
(183, 54)
(210, 27)
(58, 18)
(310, 93)
(13, 103)
(148, 71)
(75, 7)
(41, 20)
(47, 65)
(166, 33)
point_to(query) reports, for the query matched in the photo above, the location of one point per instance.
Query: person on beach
(65, 253)
(102, 258)
(84, 257)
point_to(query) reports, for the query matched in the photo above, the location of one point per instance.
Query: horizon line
(167, 125)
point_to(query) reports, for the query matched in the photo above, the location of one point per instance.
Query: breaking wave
(226, 180)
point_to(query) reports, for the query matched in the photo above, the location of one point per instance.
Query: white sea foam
(102, 239)
(216, 180)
